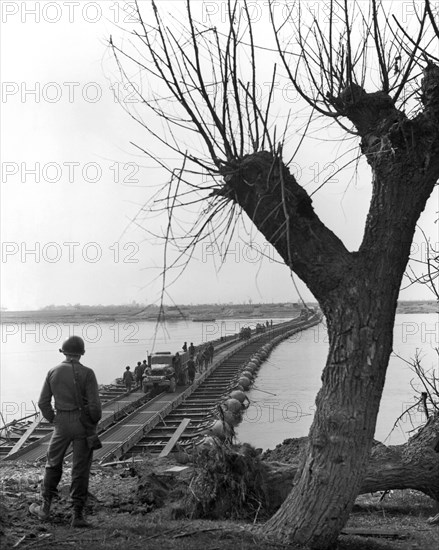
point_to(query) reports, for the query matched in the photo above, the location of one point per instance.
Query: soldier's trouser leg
(58, 446)
(82, 459)
(68, 429)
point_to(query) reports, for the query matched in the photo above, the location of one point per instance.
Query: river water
(29, 350)
(284, 391)
(292, 376)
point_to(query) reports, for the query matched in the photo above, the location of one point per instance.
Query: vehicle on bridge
(160, 375)
(307, 312)
(245, 333)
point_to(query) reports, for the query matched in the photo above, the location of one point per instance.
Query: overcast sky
(72, 185)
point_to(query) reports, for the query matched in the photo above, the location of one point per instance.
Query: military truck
(160, 374)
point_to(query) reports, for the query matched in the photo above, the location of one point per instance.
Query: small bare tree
(375, 77)
(424, 270)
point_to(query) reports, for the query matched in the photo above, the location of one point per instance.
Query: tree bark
(414, 465)
(357, 292)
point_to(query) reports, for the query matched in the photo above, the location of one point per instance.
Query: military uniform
(60, 384)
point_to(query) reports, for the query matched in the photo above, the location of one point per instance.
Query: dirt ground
(127, 514)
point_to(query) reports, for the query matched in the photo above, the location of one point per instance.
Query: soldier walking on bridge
(138, 373)
(205, 357)
(77, 412)
(191, 370)
(211, 351)
(192, 350)
(128, 379)
(180, 371)
(198, 361)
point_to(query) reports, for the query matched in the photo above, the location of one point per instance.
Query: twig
(190, 533)
(159, 534)
(36, 542)
(19, 541)
(263, 391)
(403, 414)
(257, 513)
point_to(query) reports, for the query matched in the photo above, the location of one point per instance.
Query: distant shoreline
(95, 314)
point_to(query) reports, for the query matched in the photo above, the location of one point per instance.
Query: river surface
(284, 391)
(292, 376)
(29, 350)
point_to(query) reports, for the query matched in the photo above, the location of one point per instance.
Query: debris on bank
(227, 483)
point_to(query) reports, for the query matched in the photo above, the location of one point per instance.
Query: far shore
(200, 313)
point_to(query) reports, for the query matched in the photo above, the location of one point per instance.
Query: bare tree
(424, 270)
(377, 78)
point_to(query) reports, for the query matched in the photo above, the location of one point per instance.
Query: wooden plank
(373, 532)
(25, 436)
(175, 436)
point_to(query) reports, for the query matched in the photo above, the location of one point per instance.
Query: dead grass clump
(227, 483)
(3, 517)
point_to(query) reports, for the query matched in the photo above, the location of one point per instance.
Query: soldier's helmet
(74, 345)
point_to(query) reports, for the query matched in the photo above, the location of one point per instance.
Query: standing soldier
(178, 369)
(138, 373)
(146, 373)
(191, 349)
(199, 361)
(211, 352)
(205, 359)
(191, 370)
(77, 412)
(128, 378)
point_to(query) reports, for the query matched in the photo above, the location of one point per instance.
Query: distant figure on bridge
(198, 360)
(128, 379)
(180, 372)
(77, 412)
(191, 370)
(205, 359)
(211, 351)
(138, 374)
(184, 347)
(192, 349)
(146, 373)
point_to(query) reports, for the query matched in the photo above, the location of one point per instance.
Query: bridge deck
(128, 418)
(119, 439)
(126, 433)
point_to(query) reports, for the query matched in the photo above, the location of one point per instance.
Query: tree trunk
(414, 465)
(357, 292)
(343, 428)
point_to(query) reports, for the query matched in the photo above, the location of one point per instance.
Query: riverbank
(129, 515)
(200, 313)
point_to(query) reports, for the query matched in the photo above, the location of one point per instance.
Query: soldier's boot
(78, 519)
(42, 511)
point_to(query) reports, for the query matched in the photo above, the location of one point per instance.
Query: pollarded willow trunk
(357, 292)
(346, 410)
